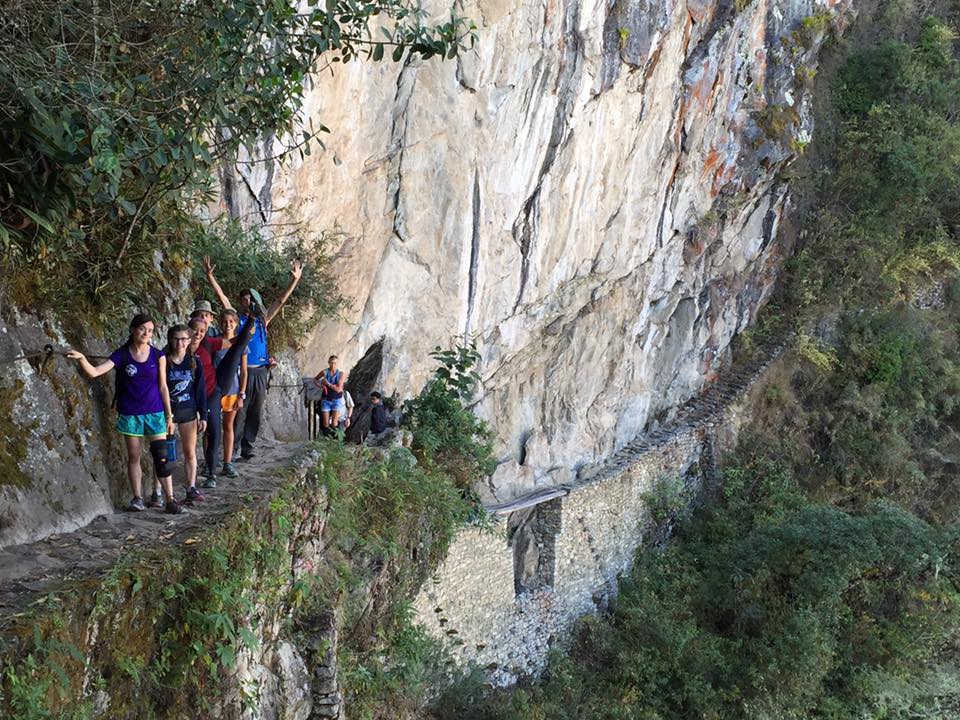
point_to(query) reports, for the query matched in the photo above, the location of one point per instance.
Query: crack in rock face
(593, 193)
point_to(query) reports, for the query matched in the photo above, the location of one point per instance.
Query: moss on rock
(13, 448)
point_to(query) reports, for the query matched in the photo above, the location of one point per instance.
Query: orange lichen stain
(701, 11)
(723, 176)
(711, 162)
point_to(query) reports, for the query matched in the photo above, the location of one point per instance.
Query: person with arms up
(258, 361)
(143, 406)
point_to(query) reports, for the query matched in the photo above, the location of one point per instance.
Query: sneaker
(247, 456)
(209, 483)
(193, 494)
(136, 505)
(155, 500)
(173, 507)
(229, 470)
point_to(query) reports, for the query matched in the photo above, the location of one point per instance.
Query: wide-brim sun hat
(202, 306)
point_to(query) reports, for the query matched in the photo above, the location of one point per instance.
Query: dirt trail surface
(31, 570)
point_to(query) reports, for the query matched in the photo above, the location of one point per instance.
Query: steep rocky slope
(594, 193)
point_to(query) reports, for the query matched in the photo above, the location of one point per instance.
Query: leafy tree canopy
(114, 112)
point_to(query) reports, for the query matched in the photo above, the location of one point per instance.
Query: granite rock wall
(594, 193)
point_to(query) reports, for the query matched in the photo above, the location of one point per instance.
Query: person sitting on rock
(378, 415)
(188, 400)
(143, 405)
(330, 381)
(258, 364)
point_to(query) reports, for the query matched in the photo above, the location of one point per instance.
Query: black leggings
(227, 369)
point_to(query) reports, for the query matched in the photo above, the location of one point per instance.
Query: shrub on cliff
(888, 203)
(445, 431)
(389, 524)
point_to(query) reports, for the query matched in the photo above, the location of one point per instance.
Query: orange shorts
(228, 403)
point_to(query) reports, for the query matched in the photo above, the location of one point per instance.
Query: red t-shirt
(209, 347)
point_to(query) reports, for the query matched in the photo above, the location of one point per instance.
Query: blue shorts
(338, 405)
(142, 425)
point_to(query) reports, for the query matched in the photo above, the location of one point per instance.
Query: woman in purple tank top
(143, 405)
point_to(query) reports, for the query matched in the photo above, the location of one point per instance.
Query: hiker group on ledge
(196, 386)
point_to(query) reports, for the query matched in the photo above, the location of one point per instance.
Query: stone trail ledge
(30, 570)
(124, 618)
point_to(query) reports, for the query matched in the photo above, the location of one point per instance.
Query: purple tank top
(139, 388)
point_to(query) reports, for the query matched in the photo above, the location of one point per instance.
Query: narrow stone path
(705, 409)
(30, 570)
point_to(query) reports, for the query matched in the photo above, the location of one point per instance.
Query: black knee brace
(158, 451)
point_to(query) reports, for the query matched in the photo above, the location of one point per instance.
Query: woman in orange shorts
(233, 394)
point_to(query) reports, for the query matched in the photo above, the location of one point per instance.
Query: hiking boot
(136, 505)
(229, 470)
(209, 482)
(173, 507)
(247, 456)
(155, 500)
(193, 494)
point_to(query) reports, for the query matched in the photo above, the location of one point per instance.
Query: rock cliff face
(593, 193)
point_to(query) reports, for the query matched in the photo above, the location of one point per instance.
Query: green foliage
(113, 117)
(766, 606)
(666, 500)
(396, 683)
(881, 421)
(246, 259)
(888, 204)
(445, 431)
(390, 522)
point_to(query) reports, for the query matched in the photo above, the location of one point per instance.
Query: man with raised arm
(258, 362)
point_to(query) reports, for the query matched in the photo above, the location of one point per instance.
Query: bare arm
(221, 295)
(165, 394)
(91, 371)
(296, 271)
(243, 375)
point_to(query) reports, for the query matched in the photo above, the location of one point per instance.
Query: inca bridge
(501, 598)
